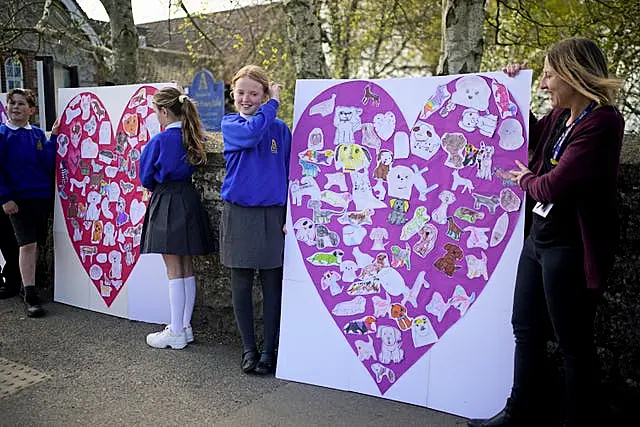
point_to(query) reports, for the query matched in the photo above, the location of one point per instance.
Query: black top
(560, 227)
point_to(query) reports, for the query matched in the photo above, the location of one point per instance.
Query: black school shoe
(267, 364)
(249, 361)
(32, 303)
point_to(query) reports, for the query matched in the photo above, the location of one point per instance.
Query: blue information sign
(209, 97)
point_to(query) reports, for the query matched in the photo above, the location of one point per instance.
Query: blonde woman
(569, 252)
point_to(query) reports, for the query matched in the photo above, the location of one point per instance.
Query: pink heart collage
(401, 227)
(103, 202)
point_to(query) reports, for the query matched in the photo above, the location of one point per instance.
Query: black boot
(501, 419)
(508, 417)
(32, 301)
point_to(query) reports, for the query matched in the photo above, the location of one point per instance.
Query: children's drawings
(401, 224)
(510, 132)
(101, 163)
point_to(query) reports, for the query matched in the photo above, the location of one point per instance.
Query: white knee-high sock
(190, 299)
(176, 303)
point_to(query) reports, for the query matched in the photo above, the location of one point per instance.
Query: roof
(82, 20)
(231, 36)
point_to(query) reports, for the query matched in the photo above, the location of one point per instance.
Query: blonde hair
(184, 108)
(581, 64)
(253, 72)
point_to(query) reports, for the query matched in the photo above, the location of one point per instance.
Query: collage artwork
(3, 110)
(102, 200)
(401, 226)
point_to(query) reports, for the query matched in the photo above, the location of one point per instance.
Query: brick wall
(29, 74)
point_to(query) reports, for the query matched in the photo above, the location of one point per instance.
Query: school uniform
(256, 151)
(27, 164)
(175, 222)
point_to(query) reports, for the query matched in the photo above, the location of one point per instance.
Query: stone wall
(160, 65)
(618, 319)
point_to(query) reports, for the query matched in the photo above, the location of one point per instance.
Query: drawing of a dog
(391, 344)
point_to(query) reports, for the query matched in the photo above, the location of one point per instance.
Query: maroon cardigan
(587, 175)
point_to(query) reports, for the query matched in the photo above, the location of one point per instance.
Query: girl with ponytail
(175, 225)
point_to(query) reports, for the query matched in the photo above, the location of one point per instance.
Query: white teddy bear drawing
(472, 92)
(93, 211)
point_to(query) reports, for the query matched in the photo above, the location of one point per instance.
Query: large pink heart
(401, 228)
(102, 199)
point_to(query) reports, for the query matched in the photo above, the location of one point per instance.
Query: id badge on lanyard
(557, 147)
(543, 209)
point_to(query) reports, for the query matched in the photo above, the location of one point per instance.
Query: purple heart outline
(495, 201)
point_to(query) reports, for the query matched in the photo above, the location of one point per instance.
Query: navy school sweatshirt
(256, 151)
(27, 163)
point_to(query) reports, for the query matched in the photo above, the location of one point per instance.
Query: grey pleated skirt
(176, 223)
(252, 237)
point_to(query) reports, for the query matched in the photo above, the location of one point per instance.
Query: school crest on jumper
(274, 146)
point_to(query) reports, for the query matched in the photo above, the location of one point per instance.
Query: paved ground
(98, 370)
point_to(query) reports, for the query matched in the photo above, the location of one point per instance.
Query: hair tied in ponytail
(182, 98)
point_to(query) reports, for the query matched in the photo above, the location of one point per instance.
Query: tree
(121, 59)
(523, 31)
(380, 38)
(255, 34)
(124, 41)
(305, 38)
(462, 36)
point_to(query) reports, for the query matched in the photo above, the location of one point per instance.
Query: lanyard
(557, 147)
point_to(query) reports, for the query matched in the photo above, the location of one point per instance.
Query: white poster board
(100, 204)
(338, 295)
(3, 108)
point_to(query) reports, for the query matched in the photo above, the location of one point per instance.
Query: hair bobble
(182, 98)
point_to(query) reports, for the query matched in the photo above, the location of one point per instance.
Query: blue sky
(158, 10)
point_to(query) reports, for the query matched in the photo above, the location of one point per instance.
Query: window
(13, 72)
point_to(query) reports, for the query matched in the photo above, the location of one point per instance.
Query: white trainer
(188, 332)
(167, 338)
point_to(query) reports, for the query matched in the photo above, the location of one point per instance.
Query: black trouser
(242, 295)
(551, 286)
(10, 252)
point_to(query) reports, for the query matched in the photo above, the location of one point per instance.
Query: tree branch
(45, 14)
(43, 30)
(197, 27)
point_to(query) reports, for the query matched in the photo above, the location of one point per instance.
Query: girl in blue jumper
(256, 150)
(175, 224)
(27, 163)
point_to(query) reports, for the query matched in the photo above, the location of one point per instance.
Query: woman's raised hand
(512, 70)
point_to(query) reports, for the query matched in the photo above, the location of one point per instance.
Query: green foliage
(235, 38)
(364, 38)
(397, 38)
(381, 38)
(522, 31)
